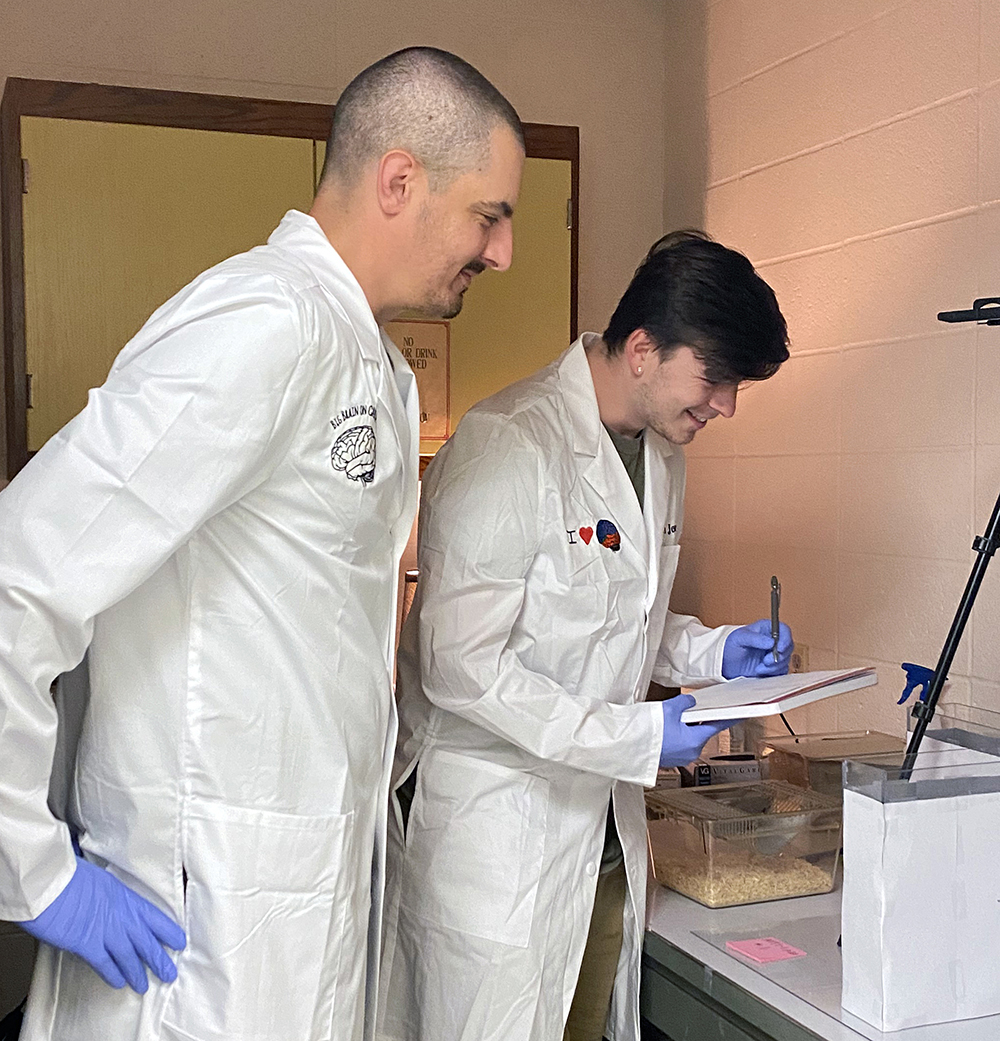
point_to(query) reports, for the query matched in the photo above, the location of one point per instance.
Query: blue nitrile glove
(683, 742)
(112, 928)
(748, 650)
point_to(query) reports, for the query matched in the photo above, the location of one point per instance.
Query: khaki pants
(588, 1014)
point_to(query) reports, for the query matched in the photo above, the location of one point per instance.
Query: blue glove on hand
(748, 651)
(112, 928)
(683, 742)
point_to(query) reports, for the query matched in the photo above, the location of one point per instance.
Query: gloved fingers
(121, 948)
(152, 953)
(785, 641)
(718, 725)
(699, 733)
(673, 707)
(762, 626)
(753, 639)
(106, 968)
(770, 667)
(162, 926)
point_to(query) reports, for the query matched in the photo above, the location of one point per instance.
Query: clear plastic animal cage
(816, 760)
(744, 843)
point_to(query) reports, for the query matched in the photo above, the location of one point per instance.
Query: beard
(450, 305)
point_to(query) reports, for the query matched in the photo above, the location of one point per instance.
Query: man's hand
(748, 651)
(683, 742)
(112, 928)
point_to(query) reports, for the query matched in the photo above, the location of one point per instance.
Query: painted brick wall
(854, 154)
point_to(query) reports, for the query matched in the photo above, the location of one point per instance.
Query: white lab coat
(223, 525)
(522, 672)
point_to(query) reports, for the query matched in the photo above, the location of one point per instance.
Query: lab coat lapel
(404, 415)
(656, 506)
(603, 469)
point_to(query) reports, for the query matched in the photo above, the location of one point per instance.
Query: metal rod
(985, 546)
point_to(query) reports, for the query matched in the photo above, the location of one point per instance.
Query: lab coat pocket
(264, 919)
(474, 847)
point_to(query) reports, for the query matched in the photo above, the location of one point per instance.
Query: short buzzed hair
(425, 101)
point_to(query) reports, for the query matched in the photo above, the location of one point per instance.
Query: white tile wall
(795, 412)
(708, 506)
(779, 31)
(989, 143)
(789, 502)
(793, 206)
(855, 157)
(722, 57)
(898, 609)
(722, 212)
(809, 580)
(989, 33)
(725, 125)
(988, 250)
(704, 582)
(812, 293)
(909, 504)
(909, 170)
(915, 394)
(873, 708)
(897, 282)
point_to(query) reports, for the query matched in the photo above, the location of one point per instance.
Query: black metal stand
(985, 545)
(986, 310)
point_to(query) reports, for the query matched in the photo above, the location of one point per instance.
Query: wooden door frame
(167, 108)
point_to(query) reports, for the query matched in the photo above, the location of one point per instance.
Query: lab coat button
(591, 870)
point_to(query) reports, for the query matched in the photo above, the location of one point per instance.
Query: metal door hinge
(29, 378)
(569, 214)
(25, 174)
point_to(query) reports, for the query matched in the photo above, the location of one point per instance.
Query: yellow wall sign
(425, 345)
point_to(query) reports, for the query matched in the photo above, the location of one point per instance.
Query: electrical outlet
(800, 658)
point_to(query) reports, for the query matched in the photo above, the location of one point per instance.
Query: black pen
(775, 601)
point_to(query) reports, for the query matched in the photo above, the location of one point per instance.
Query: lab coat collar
(604, 472)
(657, 503)
(301, 234)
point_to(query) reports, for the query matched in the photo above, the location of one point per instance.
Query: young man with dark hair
(548, 544)
(222, 525)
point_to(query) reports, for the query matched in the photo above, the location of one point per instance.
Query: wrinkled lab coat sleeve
(197, 410)
(691, 653)
(480, 542)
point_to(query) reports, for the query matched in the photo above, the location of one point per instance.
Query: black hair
(424, 100)
(692, 291)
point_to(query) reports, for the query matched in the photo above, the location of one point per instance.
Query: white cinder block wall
(854, 155)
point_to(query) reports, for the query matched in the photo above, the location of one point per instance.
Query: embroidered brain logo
(354, 453)
(607, 536)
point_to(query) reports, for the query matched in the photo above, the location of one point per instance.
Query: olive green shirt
(633, 457)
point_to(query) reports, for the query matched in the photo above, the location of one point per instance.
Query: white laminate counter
(809, 991)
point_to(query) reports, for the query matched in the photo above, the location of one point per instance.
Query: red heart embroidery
(586, 534)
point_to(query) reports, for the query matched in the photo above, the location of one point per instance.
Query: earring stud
(638, 371)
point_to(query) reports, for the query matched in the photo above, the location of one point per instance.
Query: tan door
(117, 218)
(514, 322)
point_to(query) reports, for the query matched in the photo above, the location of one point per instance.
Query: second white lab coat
(524, 663)
(225, 520)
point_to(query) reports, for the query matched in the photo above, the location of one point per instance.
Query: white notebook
(745, 697)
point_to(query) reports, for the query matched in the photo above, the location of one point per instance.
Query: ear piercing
(638, 371)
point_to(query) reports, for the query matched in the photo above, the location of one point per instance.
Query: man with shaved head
(222, 527)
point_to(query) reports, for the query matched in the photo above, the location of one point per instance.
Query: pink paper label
(764, 949)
